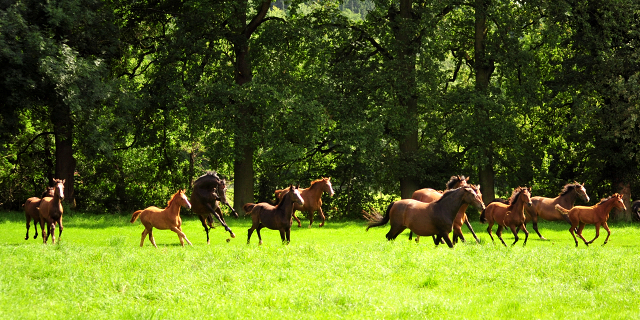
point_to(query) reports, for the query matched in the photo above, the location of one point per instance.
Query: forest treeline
(130, 100)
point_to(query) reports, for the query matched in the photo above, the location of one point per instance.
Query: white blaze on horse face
(186, 201)
(584, 192)
(331, 193)
(60, 188)
(298, 197)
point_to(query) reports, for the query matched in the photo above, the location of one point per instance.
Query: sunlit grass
(99, 271)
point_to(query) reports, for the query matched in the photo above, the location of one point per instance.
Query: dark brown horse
(635, 208)
(545, 207)
(312, 197)
(208, 191)
(31, 210)
(50, 212)
(427, 219)
(509, 215)
(430, 195)
(163, 219)
(275, 218)
(596, 215)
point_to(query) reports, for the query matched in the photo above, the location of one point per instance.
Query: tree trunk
(623, 215)
(65, 162)
(408, 100)
(243, 179)
(484, 69)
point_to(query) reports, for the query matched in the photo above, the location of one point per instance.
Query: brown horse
(312, 197)
(50, 212)
(275, 218)
(163, 219)
(208, 191)
(597, 215)
(430, 195)
(545, 207)
(508, 215)
(31, 210)
(427, 219)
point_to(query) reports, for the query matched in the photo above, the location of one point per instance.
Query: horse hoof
(260, 243)
(233, 235)
(208, 242)
(228, 239)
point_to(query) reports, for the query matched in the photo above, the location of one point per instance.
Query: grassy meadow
(98, 271)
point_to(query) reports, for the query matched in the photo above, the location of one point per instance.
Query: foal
(31, 210)
(508, 215)
(50, 210)
(163, 219)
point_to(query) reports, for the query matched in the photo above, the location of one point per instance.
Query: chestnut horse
(429, 195)
(427, 219)
(31, 210)
(312, 197)
(208, 191)
(275, 218)
(50, 212)
(163, 219)
(508, 215)
(597, 215)
(545, 207)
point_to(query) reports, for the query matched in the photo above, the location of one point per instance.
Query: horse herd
(429, 212)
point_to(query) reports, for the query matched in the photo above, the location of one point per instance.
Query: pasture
(98, 271)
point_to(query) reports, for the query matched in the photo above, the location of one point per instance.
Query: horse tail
(248, 207)
(135, 216)
(564, 212)
(376, 220)
(483, 216)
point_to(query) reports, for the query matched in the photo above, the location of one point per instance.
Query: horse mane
(447, 193)
(172, 197)
(287, 192)
(316, 181)
(514, 196)
(208, 174)
(453, 180)
(568, 188)
(603, 200)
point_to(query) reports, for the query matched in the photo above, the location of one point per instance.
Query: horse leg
(203, 220)
(181, 235)
(499, 234)
(28, 224)
(61, 227)
(606, 227)
(468, 224)
(526, 234)
(597, 233)
(395, 231)
(283, 236)
(288, 234)
(221, 220)
(579, 232)
(489, 230)
(310, 218)
(52, 231)
(447, 240)
(144, 234)
(260, 226)
(151, 238)
(293, 216)
(515, 234)
(250, 231)
(572, 230)
(321, 214)
(534, 222)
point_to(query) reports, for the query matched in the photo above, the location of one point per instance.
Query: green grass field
(98, 271)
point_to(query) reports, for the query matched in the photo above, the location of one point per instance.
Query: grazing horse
(275, 218)
(163, 219)
(508, 215)
(50, 211)
(312, 197)
(31, 210)
(597, 215)
(545, 207)
(430, 195)
(427, 219)
(208, 191)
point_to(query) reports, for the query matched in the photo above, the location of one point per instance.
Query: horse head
(619, 203)
(59, 188)
(473, 196)
(526, 196)
(327, 186)
(295, 195)
(582, 192)
(181, 197)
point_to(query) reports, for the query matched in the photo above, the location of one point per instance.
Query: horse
(635, 208)
(163, 219)
(31, 210)
(312, 197)
(275, 217)
(208, 191)
(50, 212)
(596, 215)
(430, 195)
(427, 219)
(508, 215)
(545, 207)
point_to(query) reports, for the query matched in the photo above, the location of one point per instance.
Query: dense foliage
(131, 100)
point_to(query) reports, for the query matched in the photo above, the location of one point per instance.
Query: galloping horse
(427, 219)
(208, 191)
(508, 215)
(545, 207)
(312, 197)
(429, 195)
(597, 215)
(275, 218)
(50, 211)
(31, 210)
(163, 219)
